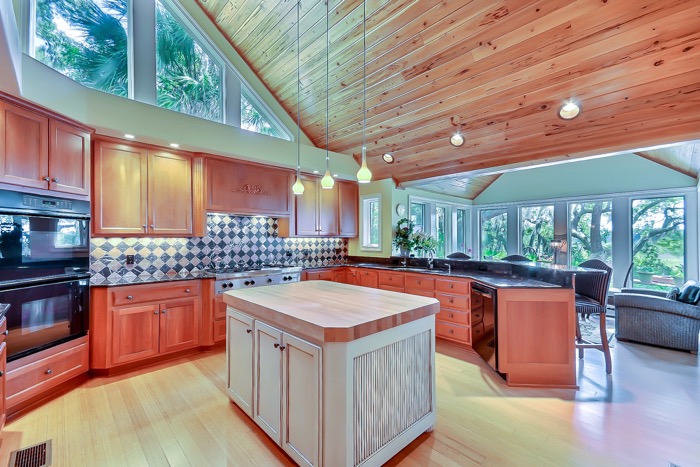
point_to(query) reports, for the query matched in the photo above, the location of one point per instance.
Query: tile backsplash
(229, 240)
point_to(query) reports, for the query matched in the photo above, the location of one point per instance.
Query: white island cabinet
(337, 375)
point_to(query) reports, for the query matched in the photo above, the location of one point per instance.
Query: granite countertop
(487, 278)
(136, 280)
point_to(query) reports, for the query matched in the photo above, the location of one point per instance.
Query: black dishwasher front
(484, 335)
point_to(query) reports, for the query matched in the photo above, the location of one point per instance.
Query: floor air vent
(38, 455)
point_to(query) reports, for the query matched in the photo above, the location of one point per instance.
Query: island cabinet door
(268, 380)
(301, 400)
(239, 353)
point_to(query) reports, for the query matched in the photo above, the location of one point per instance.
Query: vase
(404, 252)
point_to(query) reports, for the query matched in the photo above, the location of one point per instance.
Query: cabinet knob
(2, 373)
(163, 311)
(248, 331)
(452, 286)
(276, 344)
(452, 331)
(129, 297)
(48, 372)
(55, 180)
(418, 282)
(153, 226)
(187, 290)
(155, 312)
(452, 301)
(6, 332)
(144, 226)
(46, 179)
(282, 347)
(452, 315)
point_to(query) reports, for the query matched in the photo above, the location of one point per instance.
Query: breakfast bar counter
(335, 374)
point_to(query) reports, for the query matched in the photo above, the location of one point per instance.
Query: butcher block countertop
(329, 311)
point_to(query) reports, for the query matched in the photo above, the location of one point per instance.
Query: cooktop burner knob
(224, 285)
(252, 282)
(230, 284)
(269, 280)
(246, 283)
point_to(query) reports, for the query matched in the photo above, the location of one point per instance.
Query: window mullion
(142, 51)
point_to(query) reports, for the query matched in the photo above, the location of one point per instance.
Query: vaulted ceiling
(496, 70)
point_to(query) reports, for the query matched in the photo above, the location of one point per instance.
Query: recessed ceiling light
(388, 158)
(127, 135)
(316, 171)
(456, 140)
(174, 145)
(335, 175)
(569, 110)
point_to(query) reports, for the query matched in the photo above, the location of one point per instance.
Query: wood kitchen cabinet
(319, 275)
(3, 371)
(38, 150)
(368, 278)
(239, 187)
(134, 323)
(316, 211)
(240, 369)
(141, 190)
(348, 208)
(213, 315)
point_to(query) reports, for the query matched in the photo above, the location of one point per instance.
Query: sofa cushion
(690, 293)
(674, 293)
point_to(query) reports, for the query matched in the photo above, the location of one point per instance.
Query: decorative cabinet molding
(43, 151)
(237, 187)
(141, 190)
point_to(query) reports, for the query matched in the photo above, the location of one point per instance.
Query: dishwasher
(484, 323)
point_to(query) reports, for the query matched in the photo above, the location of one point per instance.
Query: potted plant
(678, 275)
(645, 275)
(403, 240)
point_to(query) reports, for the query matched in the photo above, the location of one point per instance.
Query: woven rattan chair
(591, 297)
(516, 258)
(647, 316)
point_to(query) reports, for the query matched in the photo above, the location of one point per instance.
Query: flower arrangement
(424, 242)
(403, 238)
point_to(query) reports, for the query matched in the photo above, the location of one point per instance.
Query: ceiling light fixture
(327, 181)
(457, 140)
(569, 110)
(129, 136)
(298, 187)
(364, 175)
(388, 158)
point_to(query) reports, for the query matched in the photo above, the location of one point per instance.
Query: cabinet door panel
(239, 353)
(120, 190)
(169, 194)
(24, 147)
(368, 278)
(134, 333)
(3, 385)
(306, 209)
(328, 211)
(69, 159)
(301, 400)
(348, 202)
(179, 326)
(268, 380)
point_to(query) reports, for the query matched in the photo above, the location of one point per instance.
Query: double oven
(44, 270)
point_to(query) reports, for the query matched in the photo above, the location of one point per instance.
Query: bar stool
(591, 297)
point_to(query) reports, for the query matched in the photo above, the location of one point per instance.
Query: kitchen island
(335, 374)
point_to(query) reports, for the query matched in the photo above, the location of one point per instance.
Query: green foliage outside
(494, 233)
(252, 119)
(590, 227)
(537, 230)
(440, 213)
(95, 55)
(374, 223)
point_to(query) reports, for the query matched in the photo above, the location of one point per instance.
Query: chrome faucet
(430, 260)
(449, 268)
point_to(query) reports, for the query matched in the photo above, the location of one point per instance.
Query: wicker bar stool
(591, 297)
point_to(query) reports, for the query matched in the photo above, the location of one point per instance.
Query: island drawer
(452, 286)
(453, 331)
(453, 301)
(420, 282)
(454, 316)
(394, 279)
(154, 292)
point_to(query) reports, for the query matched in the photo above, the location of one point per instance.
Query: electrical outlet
(130, 259)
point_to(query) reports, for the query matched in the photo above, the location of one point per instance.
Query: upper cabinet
(348, 207)
(324, 213)
(236, 187)
(141, 191)
(43, 152)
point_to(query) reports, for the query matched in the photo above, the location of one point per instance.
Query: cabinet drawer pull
(46, 179)
(187, 290)
(248, 331)
(452, 286)
(155, 312)
(48, 372)
(153, 226)
(163, 311)
(452, 315)
(418, 282)
(144, 226)
(2, 373)
(451, 331)
(129, 297)
(452, 301)
(55, 180)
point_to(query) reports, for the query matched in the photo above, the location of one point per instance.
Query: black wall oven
(44, 270)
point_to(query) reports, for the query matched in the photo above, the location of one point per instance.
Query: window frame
(429, 218)
(520, 223)
(479, 250)
(365, 213)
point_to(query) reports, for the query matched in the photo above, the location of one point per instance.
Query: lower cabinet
(134, 323)
(276, 379)
(3, 370)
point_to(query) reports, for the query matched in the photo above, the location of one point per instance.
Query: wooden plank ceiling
(496, 70)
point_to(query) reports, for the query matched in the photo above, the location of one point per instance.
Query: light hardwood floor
(646, 414)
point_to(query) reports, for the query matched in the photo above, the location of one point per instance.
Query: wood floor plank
(178, 414)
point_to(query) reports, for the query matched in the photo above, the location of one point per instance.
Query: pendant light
(298, 187)
(364, 175)
(327, 181)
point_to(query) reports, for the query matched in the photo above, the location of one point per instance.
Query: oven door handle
(483, 291)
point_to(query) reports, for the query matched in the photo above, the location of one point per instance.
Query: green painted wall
(615, 174)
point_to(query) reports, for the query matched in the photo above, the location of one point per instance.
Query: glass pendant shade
(364, 175)
(327, 181)
(298, 187)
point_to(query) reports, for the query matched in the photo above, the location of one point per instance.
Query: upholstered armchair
(647, 316)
